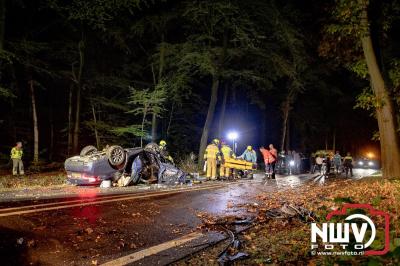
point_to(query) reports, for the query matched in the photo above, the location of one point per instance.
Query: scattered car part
(105, 184)
(291, 211)
(231, 254)
(88, 150)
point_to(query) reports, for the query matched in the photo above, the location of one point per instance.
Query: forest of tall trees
(102, 72)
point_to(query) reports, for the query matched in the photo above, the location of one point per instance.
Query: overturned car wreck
(123, 167)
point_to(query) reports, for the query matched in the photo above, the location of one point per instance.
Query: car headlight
(370, 163)
(361, 163)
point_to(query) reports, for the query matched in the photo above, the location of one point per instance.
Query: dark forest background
(100, 72)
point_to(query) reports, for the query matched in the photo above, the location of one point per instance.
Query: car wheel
(88, 150)
(116, 155)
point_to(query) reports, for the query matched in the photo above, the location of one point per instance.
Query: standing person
(337, 161)
(211, 155)
(312, 163)
(274, 153)
(319, 160)
(270, 157)
(16, 157)
(328, 160)
(249, 155)
(227, 153)
(297, 161)
(348, 164)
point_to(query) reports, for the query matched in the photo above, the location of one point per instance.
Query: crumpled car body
(140, 165)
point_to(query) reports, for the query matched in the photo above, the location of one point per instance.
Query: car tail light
(90, 178)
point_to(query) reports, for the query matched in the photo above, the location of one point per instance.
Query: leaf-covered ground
(287, 241)
(50, 179)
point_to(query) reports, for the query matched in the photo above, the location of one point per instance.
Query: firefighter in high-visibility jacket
(211, 155)
(164, 152)
(16, 157)
(227, 153)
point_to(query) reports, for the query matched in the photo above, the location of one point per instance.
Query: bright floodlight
(291, 163)
(233, 135)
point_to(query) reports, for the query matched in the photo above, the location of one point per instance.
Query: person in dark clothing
(348, 164)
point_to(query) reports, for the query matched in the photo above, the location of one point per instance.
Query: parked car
(124, 167)
(366, 163)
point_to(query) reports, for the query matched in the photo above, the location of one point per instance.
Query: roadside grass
(9, 182)
(287, 241)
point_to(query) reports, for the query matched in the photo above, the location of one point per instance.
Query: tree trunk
(222, 116)
(69, 145)
(2, 22)
(51, 116)
(96, 134)
(286, 110)
(390, 148)
(75, 142)
(35, 124)
(160, 73)
(143, 122)
(153, 128)
(170, 118)
(81, 46)
(209, 119)
(288, 147)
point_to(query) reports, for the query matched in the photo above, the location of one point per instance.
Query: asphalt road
(138, 228)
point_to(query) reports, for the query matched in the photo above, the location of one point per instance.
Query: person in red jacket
(270, 157)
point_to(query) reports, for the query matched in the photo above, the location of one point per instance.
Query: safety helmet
(163, 143)
(216, 141)
(249, 148)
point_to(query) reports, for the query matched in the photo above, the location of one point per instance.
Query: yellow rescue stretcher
(239, 164)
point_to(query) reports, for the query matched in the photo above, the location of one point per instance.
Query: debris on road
(291, 211)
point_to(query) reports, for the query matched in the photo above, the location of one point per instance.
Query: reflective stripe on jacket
(348, 160)
(227, 151)
(16, 153)
(269, 156)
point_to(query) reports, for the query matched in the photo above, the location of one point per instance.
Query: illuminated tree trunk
(390, 149)
(69, 145)
(35, 124)
(161, 65)
(96, 133)
(286, 107)
(78, 80)
(209, 119)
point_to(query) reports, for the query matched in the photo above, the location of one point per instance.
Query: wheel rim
(117, 156)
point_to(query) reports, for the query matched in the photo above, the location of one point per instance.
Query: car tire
(137, 167)
(116, 155)
(88, 150)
